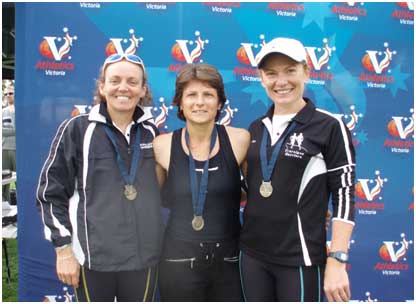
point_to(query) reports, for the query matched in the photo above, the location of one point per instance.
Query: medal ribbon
(198, 197)
(128, 176)
(267, 167)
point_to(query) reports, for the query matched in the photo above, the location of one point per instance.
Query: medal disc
(266, 189)
(130, 192)
(198, 222)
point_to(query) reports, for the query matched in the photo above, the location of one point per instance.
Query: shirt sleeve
(56, 186)
(8, 128)
(340, 160)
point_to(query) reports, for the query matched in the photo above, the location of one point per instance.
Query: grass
(10, 289)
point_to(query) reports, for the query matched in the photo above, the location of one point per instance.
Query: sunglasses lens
(117, 57)
(135, 59)
(113, 58)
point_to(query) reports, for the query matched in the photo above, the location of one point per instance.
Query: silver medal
(198, 222)
(130, 192)
(266, 189)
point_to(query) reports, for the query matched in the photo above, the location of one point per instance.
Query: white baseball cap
(287, 46)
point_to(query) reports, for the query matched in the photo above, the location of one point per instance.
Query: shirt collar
(303, 116)
(100, 113)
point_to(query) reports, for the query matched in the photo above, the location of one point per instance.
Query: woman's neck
(199, 133)
(121, 119)
(294, 108)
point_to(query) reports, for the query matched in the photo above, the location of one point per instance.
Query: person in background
(9, 137)
(299, 155)
(98, 193)
(199, 169)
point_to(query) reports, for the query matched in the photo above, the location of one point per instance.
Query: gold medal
(266, 189)
(198, 222)
(130, 192)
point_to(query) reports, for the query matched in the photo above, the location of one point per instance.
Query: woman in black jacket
(98, 193)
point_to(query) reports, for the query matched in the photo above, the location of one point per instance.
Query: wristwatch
(340, 256)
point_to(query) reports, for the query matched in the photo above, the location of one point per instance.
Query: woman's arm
(161, 148)
(240, 140)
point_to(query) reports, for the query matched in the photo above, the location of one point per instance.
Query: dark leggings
(200, 272)
(123, 286)
(266, 282)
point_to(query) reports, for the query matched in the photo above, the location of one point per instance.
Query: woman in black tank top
(199, 169)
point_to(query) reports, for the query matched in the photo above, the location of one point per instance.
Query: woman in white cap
(299, 156)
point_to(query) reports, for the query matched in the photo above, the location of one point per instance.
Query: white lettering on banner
(399, 150)
(317, 82)
(348, 18)
(404, 21)
(368, 212)
(285, 13)
(89, 5)
(250, 78)
(217, 9)
(54, 73)
(391, 272)
(156, 6)
(376, 85)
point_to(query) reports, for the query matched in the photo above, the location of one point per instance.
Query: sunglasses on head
(118, 57)
(9, 94)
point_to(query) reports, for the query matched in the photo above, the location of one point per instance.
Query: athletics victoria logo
(123, 45)
(227, 114)
(58, 50)
(246, 55)
(395, 255)
(188, 51)
(352, 120)
(372, 63)
(377, 62)
(400, 129)
(49, 49)
(160, 120)
(368, 191)
(318, 60)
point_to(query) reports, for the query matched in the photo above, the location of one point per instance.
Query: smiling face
(9, 95)
(122, 87)
(284, 81)
(199, 103)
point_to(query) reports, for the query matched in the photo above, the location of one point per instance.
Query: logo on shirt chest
(295, 146)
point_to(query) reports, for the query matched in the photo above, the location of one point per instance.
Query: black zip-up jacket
(316, 160)
(80, 194)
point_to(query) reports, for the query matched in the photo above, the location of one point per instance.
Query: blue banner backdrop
(361, 58)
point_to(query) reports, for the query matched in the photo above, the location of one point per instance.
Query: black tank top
(222, 205)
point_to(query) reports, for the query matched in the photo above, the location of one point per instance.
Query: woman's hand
(67, 266)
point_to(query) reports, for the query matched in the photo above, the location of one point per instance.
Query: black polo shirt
(316, 159)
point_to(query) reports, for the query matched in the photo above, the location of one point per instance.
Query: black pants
(123, 286)
(266, 282)
(200, 271)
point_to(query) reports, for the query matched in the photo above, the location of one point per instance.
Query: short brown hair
(202, 72)
(98, 98)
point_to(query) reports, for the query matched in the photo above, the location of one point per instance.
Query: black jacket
(316, 161)
(80, 194)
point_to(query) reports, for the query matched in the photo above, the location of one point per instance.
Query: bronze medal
(130, 192)
(198, 222)
(266, 189)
